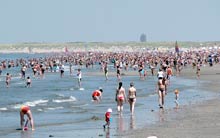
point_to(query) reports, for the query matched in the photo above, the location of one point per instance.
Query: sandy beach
(104, 47)
(195, 121)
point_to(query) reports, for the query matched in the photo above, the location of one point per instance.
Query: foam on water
(55, 108)
(70, 99)
(32, 104)
(3, 109)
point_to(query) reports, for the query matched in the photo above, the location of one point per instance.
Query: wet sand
(200, 120)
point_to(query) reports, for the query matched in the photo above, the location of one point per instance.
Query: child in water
(176, 92)
(107, 118)
(28, 82)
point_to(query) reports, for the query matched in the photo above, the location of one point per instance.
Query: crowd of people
(160, 64)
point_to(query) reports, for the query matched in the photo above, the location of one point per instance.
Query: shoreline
(191, 120)
(197, 120)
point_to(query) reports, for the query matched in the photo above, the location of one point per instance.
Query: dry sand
(195, 121)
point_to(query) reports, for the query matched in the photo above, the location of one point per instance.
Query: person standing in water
(106, 70)
(118, 73)
(169, 74)
(23, 70)
(79, 75)
(8, 80)
(28, 82)
(25, 110)
(61, 68)
(107, 118)
(176, 92)
(120, 97)
(132, 97)
(161, 89)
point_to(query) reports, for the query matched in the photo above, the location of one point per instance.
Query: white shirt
(160, 74)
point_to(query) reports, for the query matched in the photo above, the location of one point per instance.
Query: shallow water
(61, 109)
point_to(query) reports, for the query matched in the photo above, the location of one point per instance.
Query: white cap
(109, 110)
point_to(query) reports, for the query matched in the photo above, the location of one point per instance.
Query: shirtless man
(169, 73)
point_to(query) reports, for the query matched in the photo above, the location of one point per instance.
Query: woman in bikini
(120, 97)
(161, 88)
(132, 97)
(25, 110)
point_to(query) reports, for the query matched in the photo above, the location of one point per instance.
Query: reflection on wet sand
(132, 122)
(26, 134)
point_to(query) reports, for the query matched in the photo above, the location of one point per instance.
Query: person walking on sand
(107, 118)
(7, 80)
(25, 110)
(132, 97)
(120, 97)
(161, 89)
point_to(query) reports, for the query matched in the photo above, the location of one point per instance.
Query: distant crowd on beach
(160, 64)
(122, 61)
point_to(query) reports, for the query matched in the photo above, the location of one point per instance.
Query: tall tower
(143, 38)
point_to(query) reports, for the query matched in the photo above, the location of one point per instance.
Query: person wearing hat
(97, 95)
(132, 97)
(107, 118)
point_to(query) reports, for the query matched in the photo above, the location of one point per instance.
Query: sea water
(61, 109)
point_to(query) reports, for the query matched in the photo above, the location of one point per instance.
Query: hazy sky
(108, 20)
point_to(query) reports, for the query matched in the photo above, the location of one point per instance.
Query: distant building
(143, 38)
(177, 50)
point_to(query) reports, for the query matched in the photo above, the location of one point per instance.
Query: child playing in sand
(107, 118)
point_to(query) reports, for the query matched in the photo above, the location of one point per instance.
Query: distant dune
(101, 46)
